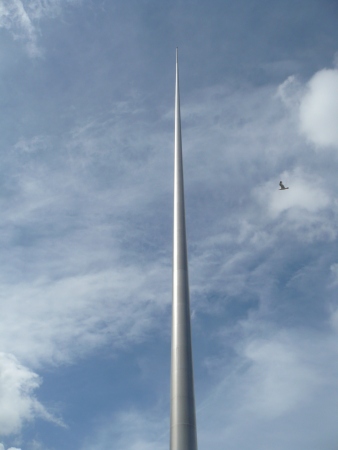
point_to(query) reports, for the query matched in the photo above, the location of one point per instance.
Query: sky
(86, 195)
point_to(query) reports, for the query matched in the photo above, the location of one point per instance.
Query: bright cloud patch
(17, 402)
(319, 109)
(305, 194)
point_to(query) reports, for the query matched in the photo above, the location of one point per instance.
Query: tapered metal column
(183, 418)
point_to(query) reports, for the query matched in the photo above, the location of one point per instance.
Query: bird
(282, 187)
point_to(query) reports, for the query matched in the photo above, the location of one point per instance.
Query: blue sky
(86, 186)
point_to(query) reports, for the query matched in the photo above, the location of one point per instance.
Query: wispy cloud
(18, 403)
(21, 18)
(84, 266)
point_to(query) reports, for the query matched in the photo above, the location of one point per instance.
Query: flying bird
(282, 187)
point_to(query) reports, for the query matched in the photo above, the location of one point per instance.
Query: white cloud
(21, 18)
(305, 209)
(132, 430)
(10, 448)
(92, 270)
(14, 17)
(319, 109)
(18, 403)
(305, 194)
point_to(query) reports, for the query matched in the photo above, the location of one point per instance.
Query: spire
(183, 418)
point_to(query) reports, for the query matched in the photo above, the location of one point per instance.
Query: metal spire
(183, 418)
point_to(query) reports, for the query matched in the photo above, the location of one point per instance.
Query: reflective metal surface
(183, 418)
